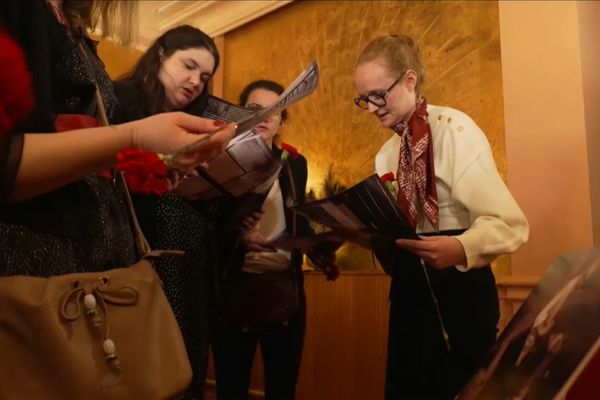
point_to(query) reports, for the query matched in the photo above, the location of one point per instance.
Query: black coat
(298, 170)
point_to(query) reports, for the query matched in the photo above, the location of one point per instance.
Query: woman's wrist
(125, 135)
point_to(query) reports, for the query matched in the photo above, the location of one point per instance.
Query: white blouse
(471, 193)
(271, 225)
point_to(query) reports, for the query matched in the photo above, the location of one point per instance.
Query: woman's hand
(169, 132)
(255, 241)
(323, 257)
(250, 221)
(436, 251)
(175, 177)
(320, 256)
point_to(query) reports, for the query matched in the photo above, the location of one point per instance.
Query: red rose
(288, 152)
(332, 271)
(140, 162)
(143, 171)
(146, 184)
(389, 177)
(16, 89)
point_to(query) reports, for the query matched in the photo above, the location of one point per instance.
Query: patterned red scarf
(417, 192)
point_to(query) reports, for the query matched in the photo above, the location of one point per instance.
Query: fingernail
(218, 123)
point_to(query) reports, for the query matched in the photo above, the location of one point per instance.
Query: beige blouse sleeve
(498, 226)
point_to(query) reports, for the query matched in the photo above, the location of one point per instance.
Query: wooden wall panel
(512, 292)
(117, 59)
(346, 337)
(460, 47)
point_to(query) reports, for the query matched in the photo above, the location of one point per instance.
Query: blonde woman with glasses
(443, 300)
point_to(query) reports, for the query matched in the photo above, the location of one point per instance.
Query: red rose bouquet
(144, 171)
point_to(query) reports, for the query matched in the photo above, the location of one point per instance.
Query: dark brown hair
(145, 74)
(266, 85)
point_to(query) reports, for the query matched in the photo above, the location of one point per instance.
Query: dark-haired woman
(173, 75)
(281, 344)
(56, 215)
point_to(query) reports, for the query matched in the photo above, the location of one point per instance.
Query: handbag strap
(141, 244)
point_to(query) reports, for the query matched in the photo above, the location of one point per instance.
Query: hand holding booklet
(326, 240)
(247, 166)
(364, 212)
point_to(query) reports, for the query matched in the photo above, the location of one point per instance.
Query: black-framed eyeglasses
(377, 98)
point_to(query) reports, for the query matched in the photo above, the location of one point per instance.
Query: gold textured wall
(460, 48)
(117, 59)
(459, 45)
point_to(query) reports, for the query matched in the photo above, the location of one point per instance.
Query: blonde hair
(115, 18)
(400, 52)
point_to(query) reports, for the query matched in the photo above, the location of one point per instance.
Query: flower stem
(437, 308)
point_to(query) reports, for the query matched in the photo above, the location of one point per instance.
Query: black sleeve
(229, 237)
(27, 23)
(391, 256)
(304, 228)
(11, 148)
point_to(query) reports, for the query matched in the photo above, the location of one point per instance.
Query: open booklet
(365, 211)
(247, 165)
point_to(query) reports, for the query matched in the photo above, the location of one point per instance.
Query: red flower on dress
(16, 89)
(289, 151)
(144, 171)
(389, 177)
(388, 180)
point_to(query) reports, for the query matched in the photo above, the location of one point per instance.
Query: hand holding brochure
(248, 118)
(248, 164)
(330, 240)
(302, 86)
(365, 211)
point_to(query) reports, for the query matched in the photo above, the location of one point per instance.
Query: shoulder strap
(142, 245)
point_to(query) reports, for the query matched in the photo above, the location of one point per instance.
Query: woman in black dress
(173, 74)
(56, 216)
